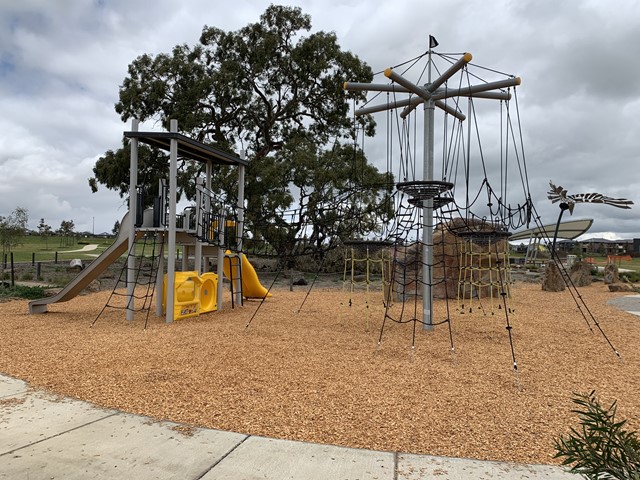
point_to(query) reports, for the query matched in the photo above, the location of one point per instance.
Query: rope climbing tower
(439, 253)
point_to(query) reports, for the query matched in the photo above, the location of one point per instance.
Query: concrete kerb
(44, 436)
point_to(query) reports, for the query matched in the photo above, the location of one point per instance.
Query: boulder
(407, 269)
(580, 274)
(621, 287)
(611, 274)
(469, 260)
(552, 280)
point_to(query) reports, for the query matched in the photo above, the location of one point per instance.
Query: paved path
(628, 303)
(86, 248)
(45, 437)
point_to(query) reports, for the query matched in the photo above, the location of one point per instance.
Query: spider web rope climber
(408, 266)
(145, 276)
(465, 259)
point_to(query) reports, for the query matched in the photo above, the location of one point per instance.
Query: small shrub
(632, 277)
(27, 276)
(21, 291)
(600, 448)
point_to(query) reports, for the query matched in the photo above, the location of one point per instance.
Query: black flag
(433, 43)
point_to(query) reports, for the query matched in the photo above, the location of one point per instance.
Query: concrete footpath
(45, 437)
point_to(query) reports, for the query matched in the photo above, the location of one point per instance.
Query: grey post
(171, 242)
(133, 201)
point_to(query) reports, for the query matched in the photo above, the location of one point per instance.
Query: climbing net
(450, 229)
(367, 265)
(147, 251)
(484, 270)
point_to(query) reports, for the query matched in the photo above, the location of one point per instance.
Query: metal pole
(171, 247)
(207, 208)
(427, 209)
(240, 228)
(200, 214)
(427, 212)
(221, 222)
(563, 207)
(133, 185)
(160, 276)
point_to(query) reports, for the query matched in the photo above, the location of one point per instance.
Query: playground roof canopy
(568, 230)
(187, 147)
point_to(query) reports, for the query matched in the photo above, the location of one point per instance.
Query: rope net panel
(367, 266)
(485, 272)
(146, 272)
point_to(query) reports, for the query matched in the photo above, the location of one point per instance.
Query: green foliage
(66, 232)
(12, 228)
(45, 232)
(112, 170)
(276, 90)
(631, 277)
(21, 291)
(339, 195)
(600, 448)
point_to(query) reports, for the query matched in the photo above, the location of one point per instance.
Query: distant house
(602, 246)
(566, 246)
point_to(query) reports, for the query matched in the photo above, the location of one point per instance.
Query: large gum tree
(268, 88)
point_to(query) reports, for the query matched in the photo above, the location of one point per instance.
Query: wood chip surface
(318, 374)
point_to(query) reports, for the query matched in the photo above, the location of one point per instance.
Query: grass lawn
(45, 248)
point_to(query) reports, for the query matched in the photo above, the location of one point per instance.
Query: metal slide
(90, 273)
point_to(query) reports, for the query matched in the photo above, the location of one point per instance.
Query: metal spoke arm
(473, 90)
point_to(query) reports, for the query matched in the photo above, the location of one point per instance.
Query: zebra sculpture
(567, 202)
(559, 194)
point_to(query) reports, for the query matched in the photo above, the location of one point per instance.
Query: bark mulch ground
(319, 375)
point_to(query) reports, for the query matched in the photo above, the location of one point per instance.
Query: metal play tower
(431, 95)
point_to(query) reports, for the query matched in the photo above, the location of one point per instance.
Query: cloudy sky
(62, 61)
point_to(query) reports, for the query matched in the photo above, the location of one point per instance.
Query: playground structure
(452, 227)
(448, 243)
(443, 241)
(202, 232)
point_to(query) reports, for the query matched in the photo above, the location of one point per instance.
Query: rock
(94, 286)
(621, 287)
(469, 260)
(75, 264)
(580, 274)
(552, 280)
(611, 274)
(300, 281)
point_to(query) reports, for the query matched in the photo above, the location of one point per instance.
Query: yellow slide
(251, 286)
